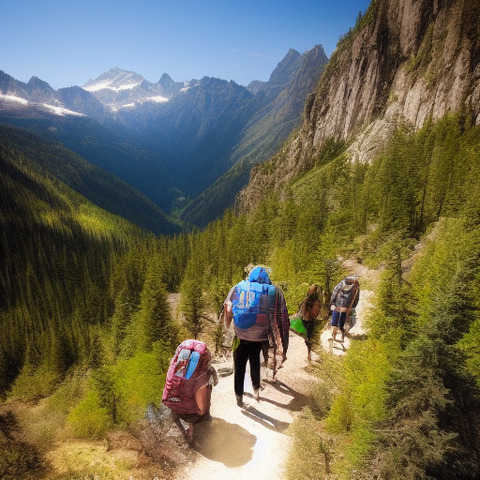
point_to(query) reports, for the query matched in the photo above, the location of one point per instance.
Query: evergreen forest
(87, 329)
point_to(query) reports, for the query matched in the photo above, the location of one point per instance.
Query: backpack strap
(354, 296)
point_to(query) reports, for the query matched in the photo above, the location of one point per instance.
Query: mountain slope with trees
(97, 185)
(406, 61)
(199, 130)
(282, 97)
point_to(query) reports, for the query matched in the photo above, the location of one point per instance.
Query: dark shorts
(338, 319)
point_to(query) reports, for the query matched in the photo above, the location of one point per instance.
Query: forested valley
(87, 331)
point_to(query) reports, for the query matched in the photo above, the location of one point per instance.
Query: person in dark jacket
(343, 300)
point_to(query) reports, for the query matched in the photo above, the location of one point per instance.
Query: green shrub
(140, 381)
(312, 451)
(320, 400)
(33, 384)
(88, 419)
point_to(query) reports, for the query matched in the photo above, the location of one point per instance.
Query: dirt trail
(253, 442)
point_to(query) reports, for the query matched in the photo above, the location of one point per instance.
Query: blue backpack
(253, 301)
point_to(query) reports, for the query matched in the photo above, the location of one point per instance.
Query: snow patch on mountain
(22, 102)
(106, 84)
(13, 99)
(116, 79)
(157, 99)
(61, 111)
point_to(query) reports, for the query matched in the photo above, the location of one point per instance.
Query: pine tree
(154, 314)
(192, 298)
(434, 426)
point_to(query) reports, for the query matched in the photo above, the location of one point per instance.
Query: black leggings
(247, 351)
(310, 327)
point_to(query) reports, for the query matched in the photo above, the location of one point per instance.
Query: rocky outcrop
(406, 60)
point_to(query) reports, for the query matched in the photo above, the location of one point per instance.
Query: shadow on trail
(224, 442)
(265, 420)
(358, 336)
(295, 404)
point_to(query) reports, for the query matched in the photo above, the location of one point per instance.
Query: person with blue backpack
(259, 313)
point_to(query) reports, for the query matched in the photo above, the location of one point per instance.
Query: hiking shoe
(206, 417)
(256, 394)
(239, 400)
(189, 433)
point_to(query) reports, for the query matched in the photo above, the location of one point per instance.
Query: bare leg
(334, 333)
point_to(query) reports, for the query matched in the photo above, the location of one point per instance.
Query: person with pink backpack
(188, 385)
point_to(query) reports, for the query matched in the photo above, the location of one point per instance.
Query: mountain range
(186, 147)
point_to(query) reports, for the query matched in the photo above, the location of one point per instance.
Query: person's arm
(285, 322)
(201, 399)
(214, 375)
(228, 314)
(227, 309)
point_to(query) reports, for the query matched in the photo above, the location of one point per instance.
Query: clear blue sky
(68, 42)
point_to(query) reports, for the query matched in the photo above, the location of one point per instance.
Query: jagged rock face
(408, 60)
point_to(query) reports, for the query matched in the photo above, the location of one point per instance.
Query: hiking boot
(239, 400)
(256, 394)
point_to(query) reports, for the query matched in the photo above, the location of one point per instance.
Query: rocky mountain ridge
(120, 88)
(406, 61)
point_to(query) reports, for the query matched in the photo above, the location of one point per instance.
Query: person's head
(259, 274)
(314, 292)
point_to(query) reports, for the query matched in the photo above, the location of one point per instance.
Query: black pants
(310, 327)
(247, 351)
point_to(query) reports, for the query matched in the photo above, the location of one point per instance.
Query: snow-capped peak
(116, 80)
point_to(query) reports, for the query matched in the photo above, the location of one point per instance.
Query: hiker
(259, 315)
(343, 300)
(188, 385)
(308, 311)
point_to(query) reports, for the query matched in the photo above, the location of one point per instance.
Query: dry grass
(74, 459)
(137, 454)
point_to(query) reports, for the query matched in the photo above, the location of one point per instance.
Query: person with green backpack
(304, 321)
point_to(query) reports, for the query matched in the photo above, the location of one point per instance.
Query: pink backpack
(188, 371)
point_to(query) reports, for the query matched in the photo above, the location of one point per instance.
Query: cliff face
(407, 60)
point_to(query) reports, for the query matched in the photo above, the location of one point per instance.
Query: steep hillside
(106, 146)
(195, 131)
(97, 185)
(405, 61)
